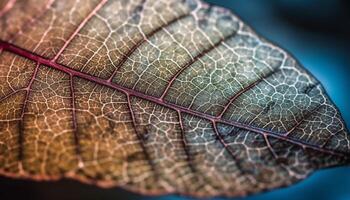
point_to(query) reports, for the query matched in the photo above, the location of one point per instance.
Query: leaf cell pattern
(157, 97)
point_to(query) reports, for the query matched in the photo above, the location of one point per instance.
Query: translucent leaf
(158, 97)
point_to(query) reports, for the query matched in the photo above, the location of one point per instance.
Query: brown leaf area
(158, 97)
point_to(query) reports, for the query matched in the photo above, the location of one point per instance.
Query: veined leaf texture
(157, 97)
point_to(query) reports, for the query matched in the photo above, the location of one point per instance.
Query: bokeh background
(317, 33)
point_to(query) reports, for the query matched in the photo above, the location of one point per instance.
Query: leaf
(157, 97)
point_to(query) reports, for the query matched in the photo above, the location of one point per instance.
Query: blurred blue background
(317, 33)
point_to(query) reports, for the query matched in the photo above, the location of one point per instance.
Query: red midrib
(24, 53)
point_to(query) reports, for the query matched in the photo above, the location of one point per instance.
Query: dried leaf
(157, 96)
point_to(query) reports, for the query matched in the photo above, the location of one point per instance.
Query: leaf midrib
(41, 60)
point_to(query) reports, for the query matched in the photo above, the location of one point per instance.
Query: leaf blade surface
(160, 97)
